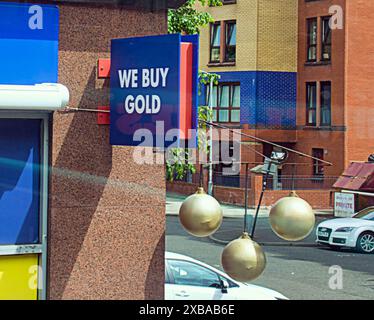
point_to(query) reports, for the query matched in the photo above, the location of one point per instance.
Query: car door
(190, 281)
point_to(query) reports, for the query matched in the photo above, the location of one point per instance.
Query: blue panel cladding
(29, 53)
(19, 181)
(276, 100)
(247, 80)
(267, 99)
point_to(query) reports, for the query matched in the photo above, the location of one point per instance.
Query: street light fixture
(276, 158)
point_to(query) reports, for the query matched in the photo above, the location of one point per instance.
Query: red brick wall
(318, 199)
(359, 93)
(330, 140)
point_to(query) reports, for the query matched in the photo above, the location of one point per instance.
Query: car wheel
(365, 242)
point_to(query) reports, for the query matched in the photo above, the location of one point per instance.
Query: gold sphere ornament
(292, 218)
(201, 214)
(243, 259)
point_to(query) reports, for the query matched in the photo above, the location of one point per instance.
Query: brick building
(334, 79)
(302, 85)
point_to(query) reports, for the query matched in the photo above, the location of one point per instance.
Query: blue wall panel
(276, 100)
(19, 181)
(28, 56)
(267, 99)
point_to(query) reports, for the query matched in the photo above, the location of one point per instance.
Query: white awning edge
(39, 97)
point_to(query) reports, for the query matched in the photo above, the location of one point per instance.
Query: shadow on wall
(79, 176)
(152, 289)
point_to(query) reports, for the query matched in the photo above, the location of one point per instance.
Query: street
(298, 272)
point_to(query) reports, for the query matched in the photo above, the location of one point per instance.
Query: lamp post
(210, 174)
(210, 181)
(275, 158)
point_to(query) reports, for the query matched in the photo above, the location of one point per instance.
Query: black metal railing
(279, 183)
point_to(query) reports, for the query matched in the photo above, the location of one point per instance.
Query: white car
(190, 279)
(356, 232)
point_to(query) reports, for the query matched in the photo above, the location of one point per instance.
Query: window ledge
(221, 64)
(309, 127)
(230, 125)
(317, 63)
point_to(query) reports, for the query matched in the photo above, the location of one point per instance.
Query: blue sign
(28, 43)
(145, 90)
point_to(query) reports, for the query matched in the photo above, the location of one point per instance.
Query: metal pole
(264, 182)
(246, 199)
(201, 180)
(210, 181)
(293, 177)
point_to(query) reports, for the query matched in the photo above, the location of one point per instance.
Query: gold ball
(201, 214)
(292, 218)
(243, 259)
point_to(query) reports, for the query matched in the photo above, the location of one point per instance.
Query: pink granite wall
(107, 214)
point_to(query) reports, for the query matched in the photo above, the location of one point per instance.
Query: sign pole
(210, 182)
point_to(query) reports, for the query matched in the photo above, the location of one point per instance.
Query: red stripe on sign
(185, 109)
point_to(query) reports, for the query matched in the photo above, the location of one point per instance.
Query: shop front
(29, 94)
(354, 189)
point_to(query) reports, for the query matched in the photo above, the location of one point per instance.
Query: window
(325, 103)
(322, 47)
(226, 102)
(230, 51)
(167, 278)
(312, 39)
(223, 42)
(318, 114)
(215, 42)
(192, 274)
(317, 166)
(311, 103)
(326, 39)
(369, 217)
(227, 2)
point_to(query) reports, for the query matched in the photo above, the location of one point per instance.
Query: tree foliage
(188, 19)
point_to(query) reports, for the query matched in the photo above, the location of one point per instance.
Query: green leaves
(187, 19)
(179, 164)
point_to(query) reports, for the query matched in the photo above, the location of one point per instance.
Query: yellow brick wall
(245, 14)
(277, 35)
(266, 35)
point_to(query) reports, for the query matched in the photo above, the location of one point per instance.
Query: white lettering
(127, 76)
(129, 104)
(164, 72)
(145, 78)
(142, 104)
(155, 77)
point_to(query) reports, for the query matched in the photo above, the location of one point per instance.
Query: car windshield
(365, 214)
